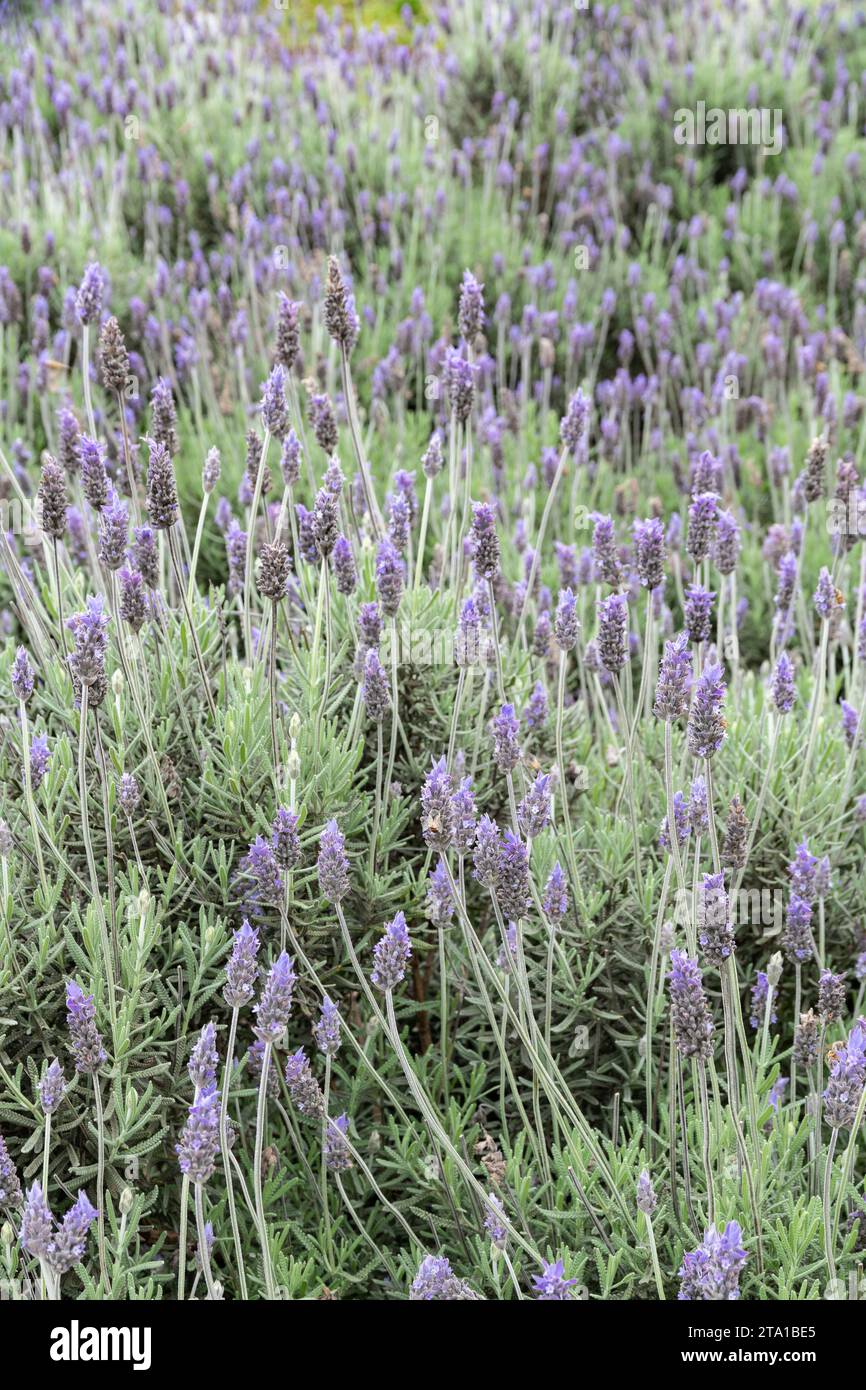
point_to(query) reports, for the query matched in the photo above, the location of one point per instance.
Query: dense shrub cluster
(432, 588)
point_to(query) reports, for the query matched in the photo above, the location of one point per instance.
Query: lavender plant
(433, 602)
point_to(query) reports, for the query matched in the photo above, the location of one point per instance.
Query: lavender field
(433, 610)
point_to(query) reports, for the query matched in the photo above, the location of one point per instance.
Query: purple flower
(706, 730)
(162, 504)
(336, 1151)
(261, 877)
(536, 711)
(113, 531)
(647, 1201)
(390, 575)
(242, 969)
(703, 519)
(22, 677)
(555, 899)
(485, 541)
(494, 1224)
(847, 1079)
(84, 1040)
(693, 1025)
(343, 564)
(163, 425)
(210, 473)
(128, 794)
(782, 684)
(805, 1049)
(512, 880)
(204, 1060)
(303, 1087)
(273, 1009)
(10, 1186)
(715, 932)
(390, 954)
(533, 813)
(52, 1089)
(88, 301)
(470, 315)
(612, 627)
(551, 1285)
(567, 626)
(62, 1247)
(506, 733)
(649, 545)
(93, 478)
(831, 996)
(760, 991)
(440, 899)
(698, 808)
(465, 818)
(288, 336)
(431, 459)
(850, 722)
(712, 1271)
(333, 865)
(37, 1224)
(802, 870)
(797, 933)
(460, 379)
(487, 850)
(826, 596)
(436, 1282)
(605, 555)
(200, 1139)
(341, 319)
(290, 459)
(727, 547)
(681, 821)
(275, 415)
(89, 645)
(327, 1030)
(325, 523)
(285, 841)
(437, 809)
(370, 624)
(374, 689)
(673, 689)
(572, 427)
(699, 608)
(40, 758)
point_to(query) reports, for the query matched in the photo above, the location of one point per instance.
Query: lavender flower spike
(707, 725)
(10, 1186)
(391, 952)
(711, 1273)
(673, 690)
(85, 1041)
(22, 678)
(693, 1025)
(333, 865)
(273, 1009)
(204, 1059)
(438, 816)
(52, 1088)
(327, 1030)
(551, 1285)
(200, 1140)
(242, 969)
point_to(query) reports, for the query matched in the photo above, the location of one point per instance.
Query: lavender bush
(432, 588)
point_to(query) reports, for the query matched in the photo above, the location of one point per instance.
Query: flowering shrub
(432, 594)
